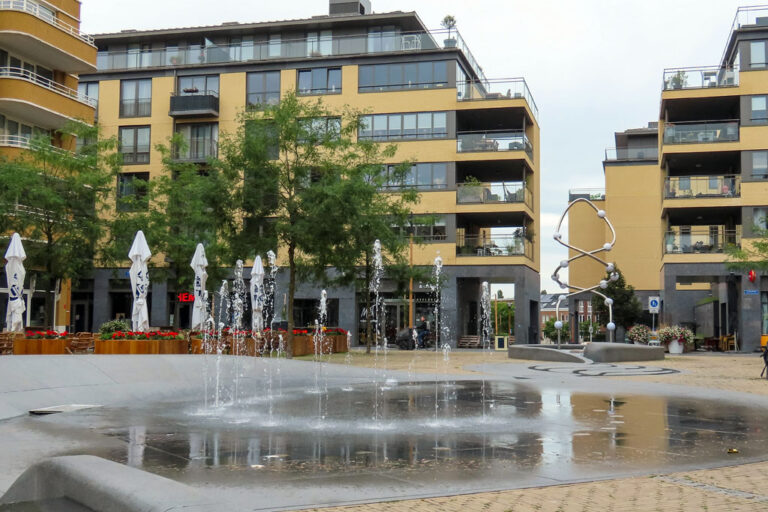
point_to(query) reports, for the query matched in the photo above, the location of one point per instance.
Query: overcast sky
(593, 66)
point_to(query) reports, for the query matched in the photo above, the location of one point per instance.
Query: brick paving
(736, 488)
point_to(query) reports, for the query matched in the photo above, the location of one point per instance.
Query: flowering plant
(676, 333)
(48, 335)
(639, 334)
(138, 335)
(335, 330)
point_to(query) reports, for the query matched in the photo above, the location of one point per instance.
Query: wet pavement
(417, 439)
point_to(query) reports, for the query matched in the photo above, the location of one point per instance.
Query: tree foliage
(506, 317)
(186, 204)
(54, 199)
(312, 189)
(551, 332)
(752, 254)
(627, 308)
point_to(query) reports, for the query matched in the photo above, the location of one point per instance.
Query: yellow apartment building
(684, 188)
(474, 142)
(42, 52)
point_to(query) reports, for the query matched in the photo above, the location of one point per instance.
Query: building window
(202, 141)
(136, 98)
(199, 85)
(421, 176)
(132, 191)
(759, 216)
(757, 54)
(395, 77)
(428, 228)
(275, 45)
(422, 125)
(90, 89)
(383, 39)
(319, 43)
(263, 89)
(759, 113)
(134, 144)
(321, 129)
(760, 164)
(764, 311)
(320, 81)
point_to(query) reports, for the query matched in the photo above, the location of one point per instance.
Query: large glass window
(134, 144)
(757, 54)
(383, 39)
(427, 228)
(422, 125)
(275, 45)
(263, 88)
(759, 109)
(136, 98)
(394, 77)
(760, 164)
(760, 218)
(202, 141)
(321, 129)
(199, 85)
(320, 81)
(764, 311)
(421, 176)
(132, 191)
(319, 43)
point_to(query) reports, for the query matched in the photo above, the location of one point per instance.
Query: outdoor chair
(82, 343)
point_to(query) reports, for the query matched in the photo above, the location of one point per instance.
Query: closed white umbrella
(257, 295)
(139, 255)
(199, 264)
(15, 273)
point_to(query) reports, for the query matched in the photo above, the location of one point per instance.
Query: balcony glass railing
(492, 193)
(632, 153)
(690, 187)
(502, 140)
(700, 77)
(698, 132)
(44, 13)
(303, 47)
(493, 245)
(500, 89)
(593, 194)
(201, 103)
(47, 83)
(199, 149)
(14, 141)
(700, 239)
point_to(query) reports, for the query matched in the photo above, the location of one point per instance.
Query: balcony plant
(449, 22)
(678, 80)
(471, 190)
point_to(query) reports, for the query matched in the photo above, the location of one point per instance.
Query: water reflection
(554, 432)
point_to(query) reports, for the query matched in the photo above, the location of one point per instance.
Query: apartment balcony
(41, 101)
(203, 104)
(700, 239)
(705, 77)
(495, 90)
(302, 47)
(593, 194)
(493, 246)
(493, 141)
(494, 193)
(700, 187)
(199, 150)
(632, 154)
(31, 29)
(701, 132)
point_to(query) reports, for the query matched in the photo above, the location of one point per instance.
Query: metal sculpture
(603, 284)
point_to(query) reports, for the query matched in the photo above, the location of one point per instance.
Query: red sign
(186, 297)
(752, 276)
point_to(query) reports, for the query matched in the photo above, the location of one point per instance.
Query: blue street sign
(751, 292)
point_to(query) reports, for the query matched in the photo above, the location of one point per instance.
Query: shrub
(681, 334)
(114, 326)
(639, 334)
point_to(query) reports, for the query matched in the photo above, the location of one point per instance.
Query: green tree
(626, 306)
(187, 204)
(506, 316)
(54, 199)
(752, 255)
(584, 329)
(551, 333)
(315, 189)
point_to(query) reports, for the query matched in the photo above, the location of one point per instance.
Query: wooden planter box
(174, 347)
(243, 347)
(123, 346)
(339, 343)
(27, 346)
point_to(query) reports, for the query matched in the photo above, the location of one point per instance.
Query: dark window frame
(318, 81)
(268, 96)
(137, 106)
(138, 157)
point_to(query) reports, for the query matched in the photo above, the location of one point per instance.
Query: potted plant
(449, 22)
(639, 334)
(471, 190)
(675, 338)
(678, 80)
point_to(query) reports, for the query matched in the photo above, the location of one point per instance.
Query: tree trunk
(367, 303)
(291, 293)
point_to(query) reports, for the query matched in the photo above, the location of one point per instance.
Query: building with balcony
(42, 51)
(684, 189)
(474, 141)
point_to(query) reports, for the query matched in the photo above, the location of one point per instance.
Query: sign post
(654, 304)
